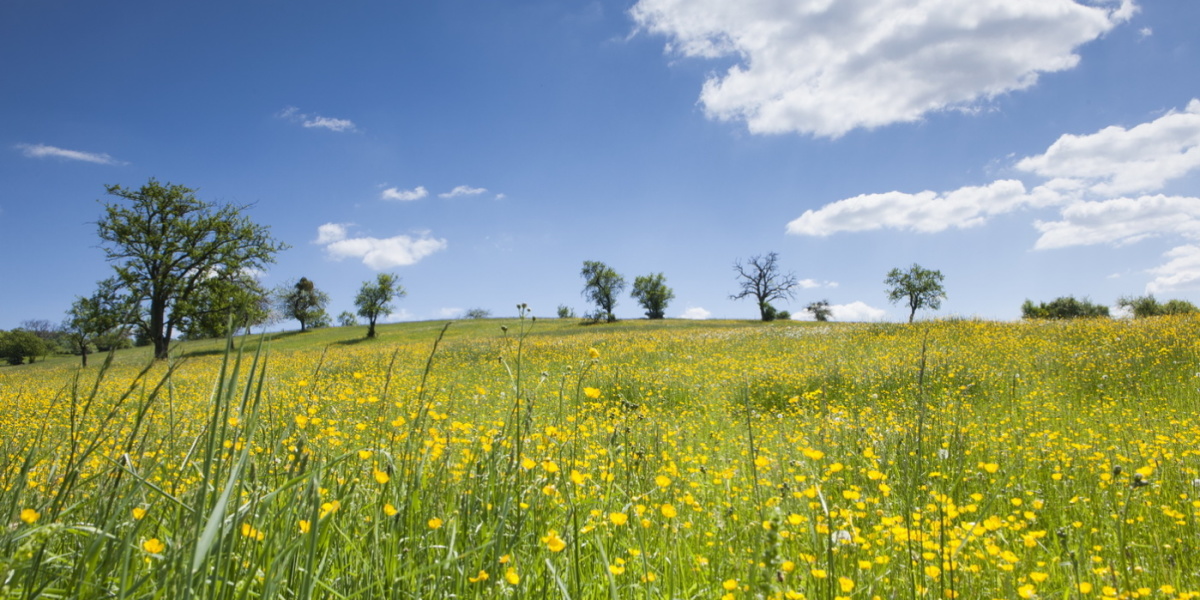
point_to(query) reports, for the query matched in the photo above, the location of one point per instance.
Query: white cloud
(854, 311)
(695, 312)
(398, 316)
(450, 313)
(809, 284)
(1085, 174)
(1121, 221)
(404, 195)
(1115, 160)
(376, 253)
(857, 311)
(1182, 270)
(923, 212)
(294, 115)
(330, 232)
(826, 67)
(44, 151)
(462, 190)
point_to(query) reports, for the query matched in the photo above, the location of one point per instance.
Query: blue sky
(483, 150)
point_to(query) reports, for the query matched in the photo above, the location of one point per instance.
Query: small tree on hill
(762, 279)
(820, 310)
(374, 299)
(91, 320)
(601, 287)
(347, 319)
(652, 293)
(305, 303)
(917, 287)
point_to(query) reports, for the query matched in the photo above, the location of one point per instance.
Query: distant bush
(1063, 307)
(347, 319)
(1148, 306)
(477, 313)
(565, 312)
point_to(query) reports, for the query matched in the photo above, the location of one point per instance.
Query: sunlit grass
(678, 460)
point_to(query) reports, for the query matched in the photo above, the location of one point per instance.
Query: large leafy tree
(374, 299)
(167, 246)
(763, 279)
(652, 293)
(304, 302)
(601, 287)
(917, 287)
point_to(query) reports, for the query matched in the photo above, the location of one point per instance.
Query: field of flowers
(954, 459)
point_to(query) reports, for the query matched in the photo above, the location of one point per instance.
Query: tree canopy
(652, 293)
(167, 247)
(601, 287)
(820, 310)
(762, 278)
(303, 302)
(1063, 307)
(1149, 306)
(917, 287)
(374, 299)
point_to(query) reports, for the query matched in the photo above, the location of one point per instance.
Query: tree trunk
(371, 328)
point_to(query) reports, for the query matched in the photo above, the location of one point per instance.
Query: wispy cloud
(294, 115)
(44, 151)
(462, 190)
(809, 284)
(404, 195)
(695, 312)
(377, 253)
(825, 67)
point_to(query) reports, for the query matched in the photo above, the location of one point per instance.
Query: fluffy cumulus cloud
(308, 121)
(695, 312)
(377, 253)
(1102, 183)
(462, 190)
(923, 212)
(826, 67)
(44, 151)
(404, 195)
(1181, 270)
(1116, 160)
(1121, 221)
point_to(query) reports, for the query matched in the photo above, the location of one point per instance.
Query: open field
(954, 459)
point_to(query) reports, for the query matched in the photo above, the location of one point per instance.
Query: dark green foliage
(761, 278)
(1148, 306)
(652, 293)
(565, 312)
(18, 345)
(1063, 307)
(347, 319)
(918, 287)
(238, 301)
(167, 247)
(477, 313)
(601, 287)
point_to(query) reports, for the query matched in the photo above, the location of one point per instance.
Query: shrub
(1063, 307)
